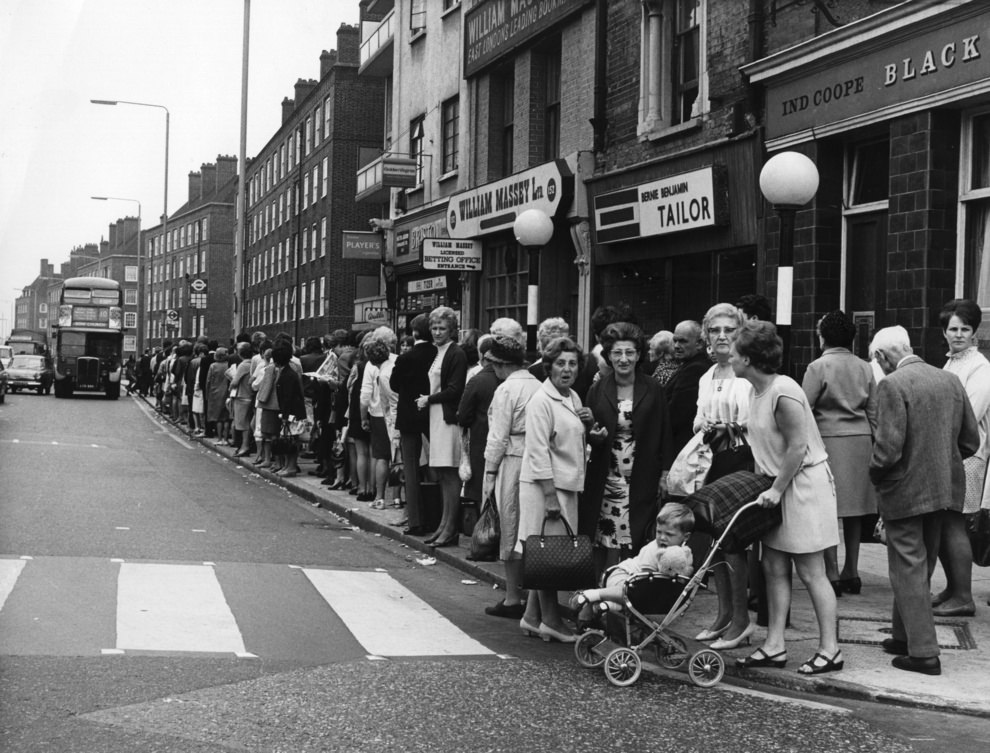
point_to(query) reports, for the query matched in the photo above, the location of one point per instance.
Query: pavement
(864, 619)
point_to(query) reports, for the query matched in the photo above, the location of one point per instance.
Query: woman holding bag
(723, 407)
(503, 460)
(552, 473)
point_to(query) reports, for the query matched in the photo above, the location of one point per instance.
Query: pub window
(973, 254)
(673, 86)
(505, 283)
(869, 172)
(416, 146)
(451, 113)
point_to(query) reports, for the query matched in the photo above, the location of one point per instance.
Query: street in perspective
(158, 595)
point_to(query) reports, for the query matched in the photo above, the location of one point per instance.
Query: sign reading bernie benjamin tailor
(679, 202)
(494, 207)
(495, 27)
(905, 74)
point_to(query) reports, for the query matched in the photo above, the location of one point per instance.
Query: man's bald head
(687, 340)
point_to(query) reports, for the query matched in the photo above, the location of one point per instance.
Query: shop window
(673, 87)
(450, 126)
(869, 172)
(504, 287)
(973, 259)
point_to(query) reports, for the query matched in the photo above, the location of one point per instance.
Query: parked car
(30, 372)
(3, 383)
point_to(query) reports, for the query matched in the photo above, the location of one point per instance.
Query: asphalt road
(155, 597)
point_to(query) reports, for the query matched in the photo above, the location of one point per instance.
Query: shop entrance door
(866, 274)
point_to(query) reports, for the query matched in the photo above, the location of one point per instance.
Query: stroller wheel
(622, 667)
(706, 668)
(584, 648)
(671, 652)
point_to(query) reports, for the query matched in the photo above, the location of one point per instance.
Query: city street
(155, 596)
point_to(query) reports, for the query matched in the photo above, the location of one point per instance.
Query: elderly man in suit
(925, 427)
(682, 387)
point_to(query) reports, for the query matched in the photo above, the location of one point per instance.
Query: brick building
(300, 199)
(892, 102)
(189, 283)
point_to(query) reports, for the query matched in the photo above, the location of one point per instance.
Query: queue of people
(589, 439)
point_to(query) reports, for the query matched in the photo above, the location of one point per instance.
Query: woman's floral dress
(613, 523)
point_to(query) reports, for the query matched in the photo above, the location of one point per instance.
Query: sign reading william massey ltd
(494, 207)
(493, 28)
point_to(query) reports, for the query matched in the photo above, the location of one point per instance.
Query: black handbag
(978, 527)
(486, 534)
(285, 442)
(730, 452)
(557, 562)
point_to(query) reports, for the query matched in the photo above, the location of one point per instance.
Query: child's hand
(597, 434)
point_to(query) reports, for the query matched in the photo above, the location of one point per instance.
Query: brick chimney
(327, 61)
(208, 181)
(129, 232)
(288, 107)
(195, 185)
(113, 235)
(303, 88)
(226, 170)
(349, 45)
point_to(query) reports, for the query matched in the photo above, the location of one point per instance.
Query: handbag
(285, 442)
(486, 534)
(978, 528)
(559, 562)
(730, 451)
(688, 471)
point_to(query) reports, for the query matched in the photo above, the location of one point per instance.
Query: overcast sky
(57, 149)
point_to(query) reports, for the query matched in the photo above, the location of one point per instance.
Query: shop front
(498, 286)
(418, 288)
(895, 111)
(674, 237)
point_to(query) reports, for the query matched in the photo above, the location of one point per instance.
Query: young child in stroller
(667, 554)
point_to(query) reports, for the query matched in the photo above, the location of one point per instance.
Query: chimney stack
(113, 235)
(288, 107)
(327, 61)
(303, 88)
(195, 185)
(208, 180)
(349, 45)
(226, 170)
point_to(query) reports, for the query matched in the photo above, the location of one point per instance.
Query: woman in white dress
(447, 378)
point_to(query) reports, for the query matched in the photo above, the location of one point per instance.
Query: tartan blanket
(714, 505)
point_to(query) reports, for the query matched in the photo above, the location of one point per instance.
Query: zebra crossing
(77, 606)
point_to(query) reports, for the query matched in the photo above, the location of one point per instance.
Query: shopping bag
(688, 471)
(486, 533)
(557, 562)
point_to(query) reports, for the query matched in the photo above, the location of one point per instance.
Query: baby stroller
(651, 603)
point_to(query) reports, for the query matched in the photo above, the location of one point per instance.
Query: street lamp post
(140, 264)
(164, 199)
(533, 230)
(788, 180)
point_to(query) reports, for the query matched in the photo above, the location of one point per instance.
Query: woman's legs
(776, 571)
(956, 555)
(381, 477)
(352, 463)
(362, 461)
(852, 531)
(550, 612)
(450, 493)
(513, 582)
(811, 570)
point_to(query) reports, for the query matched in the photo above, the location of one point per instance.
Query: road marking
(10, 570)
(174, 608)
(389, 619)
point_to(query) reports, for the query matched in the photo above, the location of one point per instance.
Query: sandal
(819, 664)
(761, 658)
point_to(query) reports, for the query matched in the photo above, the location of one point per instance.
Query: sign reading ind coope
(451, 255)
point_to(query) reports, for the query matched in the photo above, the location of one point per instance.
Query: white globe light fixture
(533, 230)
(788, 180)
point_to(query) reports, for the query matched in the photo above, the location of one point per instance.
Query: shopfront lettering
(823, 96)
(908, 68)
(677, 213)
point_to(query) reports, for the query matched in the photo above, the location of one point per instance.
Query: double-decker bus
(89, 337)
(28, 341)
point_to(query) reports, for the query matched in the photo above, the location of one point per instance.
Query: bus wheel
(113, 390)
(62, 388)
